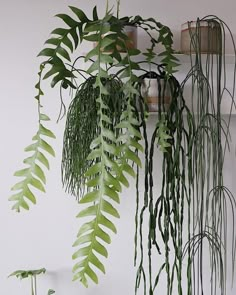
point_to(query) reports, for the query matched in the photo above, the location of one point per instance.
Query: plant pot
(201, 35)
(156, 92)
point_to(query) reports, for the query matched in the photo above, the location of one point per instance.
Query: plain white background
(43, 236)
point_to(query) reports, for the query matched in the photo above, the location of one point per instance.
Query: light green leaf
(90, 211)
(37, 184)
(41, 158)
(39, 173)
(90, 197)
(44, 131)
(96, 262)
(44, 145)
(99, 248)
(108, 208)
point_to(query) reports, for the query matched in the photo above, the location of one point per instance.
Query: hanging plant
(102, 135)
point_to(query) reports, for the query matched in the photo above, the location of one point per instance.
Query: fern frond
(33, 174)
(61, 45)
(104, 185)
(128, 143)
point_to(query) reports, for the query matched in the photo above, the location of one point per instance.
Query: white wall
(43, 236)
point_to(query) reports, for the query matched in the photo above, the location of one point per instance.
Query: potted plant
(95, 172)
(100, 155)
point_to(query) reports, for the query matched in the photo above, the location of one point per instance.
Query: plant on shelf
(105, 137)
(32, 274)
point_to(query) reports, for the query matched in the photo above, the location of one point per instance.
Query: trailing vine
(33, 175)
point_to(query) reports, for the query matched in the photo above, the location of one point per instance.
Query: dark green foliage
(82, 128)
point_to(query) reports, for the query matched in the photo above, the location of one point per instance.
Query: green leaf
(44, 131)
(93, 169)
(47, 52)
(34, 170)
(92, 275)
(41, 158)
(60, 31)
(91, 37)
(39, 173)
(93, 52)
(95, 14)
(44, 145)
(53, 41)
(96, 262)
(99, 248)
(63, 53)
(90, 197)
(81, 252)
(133, 157)
(108, 208)
(37, 184)
(110, 192)
(80, 14)
(68, 43)
(22, 172)
(68, 20)
(44, 117)
(103, 235)
(90, 211)
(74, 36)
